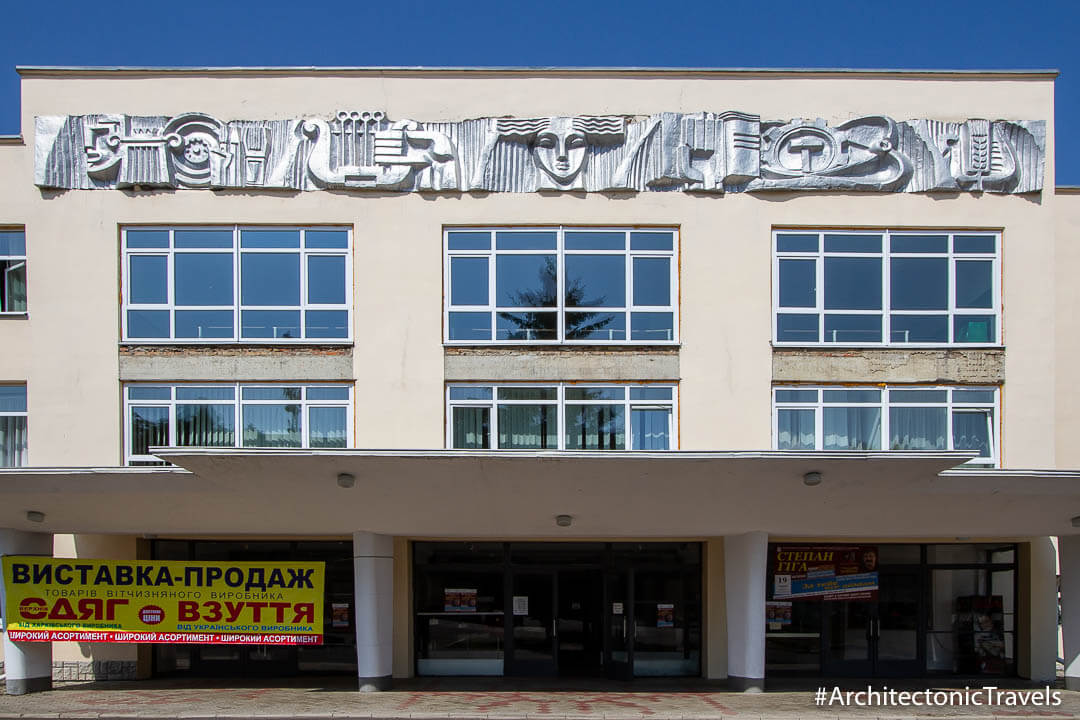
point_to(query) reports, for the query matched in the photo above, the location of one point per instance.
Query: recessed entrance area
(614, 610)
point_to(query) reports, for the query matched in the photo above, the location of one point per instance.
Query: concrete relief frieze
(690, 152)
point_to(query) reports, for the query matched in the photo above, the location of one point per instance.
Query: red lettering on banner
(280, 607)
(256, 610)
(33, 608)
(62, 610)
(234, 610)
(187, 611)
(305, 612)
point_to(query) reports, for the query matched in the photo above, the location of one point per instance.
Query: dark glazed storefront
(938, 610)
(337, 654)
(616, 610)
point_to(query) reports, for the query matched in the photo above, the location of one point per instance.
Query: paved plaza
(337, 698)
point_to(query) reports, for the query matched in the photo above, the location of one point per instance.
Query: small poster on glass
(665, 615)
(339, 615)
(459, 600)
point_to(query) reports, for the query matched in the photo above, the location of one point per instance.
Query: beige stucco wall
(1067, 335)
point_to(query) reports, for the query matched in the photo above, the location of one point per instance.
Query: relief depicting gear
(199, 156)
(860, 154)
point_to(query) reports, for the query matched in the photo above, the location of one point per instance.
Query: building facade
(559, 372)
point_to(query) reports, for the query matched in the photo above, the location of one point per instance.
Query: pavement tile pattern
(331, 698)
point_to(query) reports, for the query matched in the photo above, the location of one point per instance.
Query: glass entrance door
(579, 623)
(897, 634)
(876, 638)
(533, 648)
(618, 641)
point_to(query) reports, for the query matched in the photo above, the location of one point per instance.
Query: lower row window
(12, 425)
(235, 415)
(892, 418)
(561, 417)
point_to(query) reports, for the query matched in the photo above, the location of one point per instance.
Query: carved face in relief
(559, 149)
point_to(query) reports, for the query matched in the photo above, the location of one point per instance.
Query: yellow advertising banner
(141, 601)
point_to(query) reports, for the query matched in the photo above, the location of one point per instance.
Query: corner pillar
(745, 563)
(1069, 559)
(28, 665)
(373, 578)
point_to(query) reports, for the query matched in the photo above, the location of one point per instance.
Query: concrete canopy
(446, 493)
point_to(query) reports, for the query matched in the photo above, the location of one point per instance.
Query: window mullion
(237, 294)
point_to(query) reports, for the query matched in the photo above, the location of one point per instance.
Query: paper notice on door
(521, 604)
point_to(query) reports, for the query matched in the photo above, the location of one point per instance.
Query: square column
(28, 665)
(1069, 559)
(373, 582)
(745, 565)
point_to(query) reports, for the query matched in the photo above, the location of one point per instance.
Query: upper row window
(561, 285)
(887, 288)
(12, 271)
(236, 283)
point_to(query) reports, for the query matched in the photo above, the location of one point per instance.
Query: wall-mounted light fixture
(346, 480)
(811, 478)
(564, 520)
(35, 516)
(1076, 521)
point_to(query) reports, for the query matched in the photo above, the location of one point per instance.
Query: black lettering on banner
(195, 572)
(66, 579)
(301, 578)
(142, 575)
(84, 570)
(277, 579)
(20, 573)
(124, 575)
(212, 574)
(164, 577)
(42, 574)
(103, 577)
(234, 577)
(252, 582)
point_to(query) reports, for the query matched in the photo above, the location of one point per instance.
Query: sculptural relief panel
(691, 152)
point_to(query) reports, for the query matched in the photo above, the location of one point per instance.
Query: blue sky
(991, 34)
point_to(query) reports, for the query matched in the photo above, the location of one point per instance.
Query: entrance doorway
(876, 638)
(605, 610)
(558, 624)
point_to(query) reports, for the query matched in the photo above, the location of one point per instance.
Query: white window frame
(238, 410)
(237, 309)
(16, 258)
(560, 308)
(560, 402)
(885, 403)
(20, 413)
(886, 255)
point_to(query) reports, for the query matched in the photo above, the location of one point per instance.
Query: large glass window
(893, 418)
(561, 417)
(268, 284)
(12, 271)
(232, 415)
(12, 425)
(887, 288)
(559, 284)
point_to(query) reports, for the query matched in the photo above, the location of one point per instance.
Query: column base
(745, 685)
(375, 684)
(22, 686)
